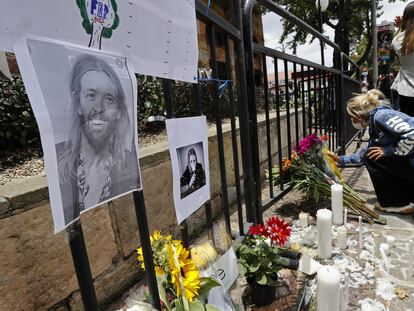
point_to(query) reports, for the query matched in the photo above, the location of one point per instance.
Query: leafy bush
(18, 127)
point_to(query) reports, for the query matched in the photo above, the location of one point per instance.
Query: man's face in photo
(98, 108)
(193, 162)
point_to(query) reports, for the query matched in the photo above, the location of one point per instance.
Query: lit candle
(410, 258)
(345, 216)
(342, 237)
(324, 230)
(337, 203)
(360, 232)
(303, 219)
(328, 281)
(390, 241)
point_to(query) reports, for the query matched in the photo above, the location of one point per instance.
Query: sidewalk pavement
(371, 286)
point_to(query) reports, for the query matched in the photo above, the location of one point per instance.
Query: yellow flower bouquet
(179, 283)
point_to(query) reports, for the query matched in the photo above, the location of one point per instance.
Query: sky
(272, 28)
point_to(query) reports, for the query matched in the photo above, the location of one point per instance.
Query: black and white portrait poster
(188, 143)
(84, 102)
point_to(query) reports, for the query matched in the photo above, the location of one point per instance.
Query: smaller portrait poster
(85, 106)
(188, 143)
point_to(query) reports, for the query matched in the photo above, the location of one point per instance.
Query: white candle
(385, 248)
(328, 288)
(342, 237)
(345, 216)
(306, 261)
(324, 229)
(337, 203)
(390, 241)
(303, 219)
(410, 258)
(361, 241)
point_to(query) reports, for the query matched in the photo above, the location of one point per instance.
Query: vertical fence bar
(252, 107)
(316, 112)
(287, 99)
(311, 100)
(269, 145)
(320, 101)
(247, 159)
(139, 204)
(207, 205)
(278, 128)
(325, 107)
(169, 106)
(216, 99)
(331, 108)
(295, 86)
(302, 76)
(234, 136)
(82, 268)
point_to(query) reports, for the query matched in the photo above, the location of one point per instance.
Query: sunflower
(158, 269)
(183, 271)
(191, 279)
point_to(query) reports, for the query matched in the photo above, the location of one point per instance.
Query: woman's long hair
(407, 25)
(360, 105)
(68, 156)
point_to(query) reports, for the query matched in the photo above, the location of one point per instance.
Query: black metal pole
(234, 137)
(220, 142)
(267, 108)
(82, 268)
(144, 235)
(249, 188)
(321, 30)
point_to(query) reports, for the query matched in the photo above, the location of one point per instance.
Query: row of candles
(328, 277)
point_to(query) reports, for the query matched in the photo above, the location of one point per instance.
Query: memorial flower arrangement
(258, 256)
(311, 170)
(179, 283)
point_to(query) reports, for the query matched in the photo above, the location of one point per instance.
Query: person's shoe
(407, 209)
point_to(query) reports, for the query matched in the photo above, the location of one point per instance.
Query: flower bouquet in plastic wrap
(310, 169)
(179, 283)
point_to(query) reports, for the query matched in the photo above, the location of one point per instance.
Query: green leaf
(206, 284)
(162, 293)
(196, 305)
(242, 269)
(261, 279)
(255, 267)
(210, 307)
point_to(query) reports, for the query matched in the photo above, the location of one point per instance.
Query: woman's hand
(397, 21)
(375, 153)
(332, 155)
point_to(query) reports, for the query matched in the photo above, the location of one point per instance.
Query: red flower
(258, 230)
(279, 230)
(324, 137)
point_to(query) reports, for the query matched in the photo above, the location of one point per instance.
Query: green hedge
(18, 127)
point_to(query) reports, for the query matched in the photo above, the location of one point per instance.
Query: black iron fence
(315, 100)
(314, 95)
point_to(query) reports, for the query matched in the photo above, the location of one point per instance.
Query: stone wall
(36, 268)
